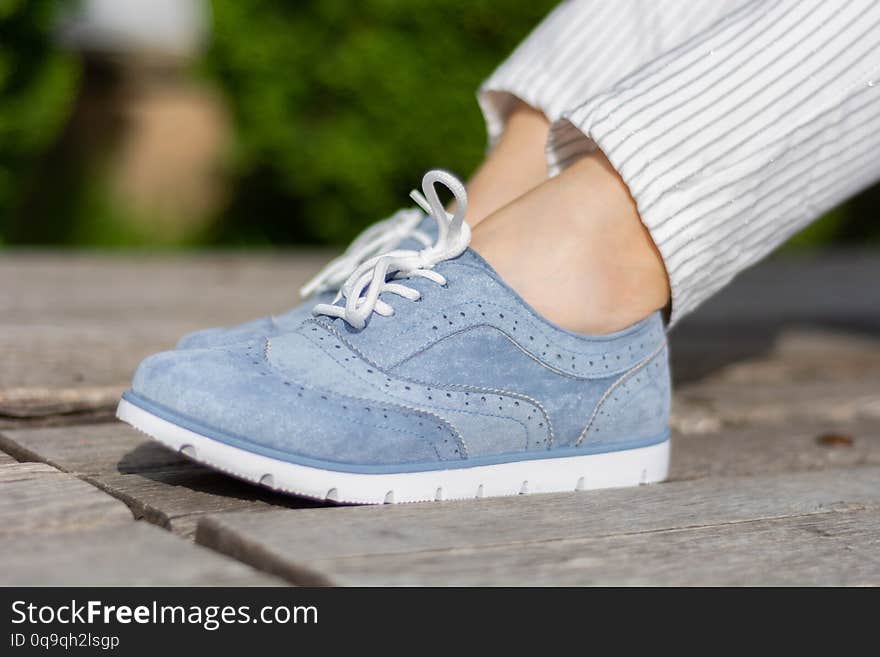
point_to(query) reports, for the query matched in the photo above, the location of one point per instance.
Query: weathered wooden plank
(176, 499)
(172, 492)
(827, 549)
(58, 419)
(71, 320)
(291, 543)
(158, 484)
(6, 459)
(20, 403)
(58, 286)
(36, 500)
(713, 406)
(762, 449)
(804, 376)
(56, 529)
(133, 554)
(91, 449)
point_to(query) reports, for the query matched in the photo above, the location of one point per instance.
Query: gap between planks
(361, 545)
(56, 530)
(156, 483)
(826, 549)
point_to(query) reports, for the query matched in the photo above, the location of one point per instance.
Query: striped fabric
(734, 124)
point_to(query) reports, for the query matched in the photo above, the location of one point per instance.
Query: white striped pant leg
(738, 138)
(585, 46)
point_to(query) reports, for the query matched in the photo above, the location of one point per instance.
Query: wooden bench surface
(775, 473)
(626, 536)
(56, 529)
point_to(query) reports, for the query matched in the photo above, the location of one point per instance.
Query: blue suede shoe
(430, 379)
(405, 229)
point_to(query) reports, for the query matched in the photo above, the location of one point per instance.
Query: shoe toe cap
(234, 395)
(221, 337)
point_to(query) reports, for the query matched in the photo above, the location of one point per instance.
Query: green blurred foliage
(342, 106)
(37, 90)
(855, 222)
(338, 108)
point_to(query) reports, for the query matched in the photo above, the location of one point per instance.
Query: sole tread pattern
(569, 473)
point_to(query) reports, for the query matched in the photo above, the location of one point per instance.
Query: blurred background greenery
(251, 122)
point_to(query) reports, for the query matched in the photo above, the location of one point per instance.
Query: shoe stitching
(591, 371)
(512, 340)
(519, 395)
(439, 407)
(640, 366)
(332, 330)
(542, 323)
(462, 444)
(360, 400)
(539, 323)
(598, 339)
(550, 430)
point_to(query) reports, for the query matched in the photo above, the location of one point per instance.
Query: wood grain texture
(176, 499)
(134, 554)
(37, 500)
(156, 483)
(802, 376)
(712, 406)
(788, 353)
(96, 416)
(292, 543)
(795, 446)
(166, 489)
(23, 403)
(826, 549)
(91, 449)
(57, 530)
(825, 289)
(80, 321)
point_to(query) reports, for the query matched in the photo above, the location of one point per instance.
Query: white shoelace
(363, 287)
(378, 238)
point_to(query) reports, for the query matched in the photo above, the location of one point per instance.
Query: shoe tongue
(471, 258)
(428, 226)
(479, 273)
(386, 340)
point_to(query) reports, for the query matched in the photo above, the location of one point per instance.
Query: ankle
(516, 164)
(591, 267)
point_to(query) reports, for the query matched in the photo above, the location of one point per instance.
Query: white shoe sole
(642, 465)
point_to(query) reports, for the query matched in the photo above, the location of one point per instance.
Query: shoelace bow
(379, 238)
(379, 274)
